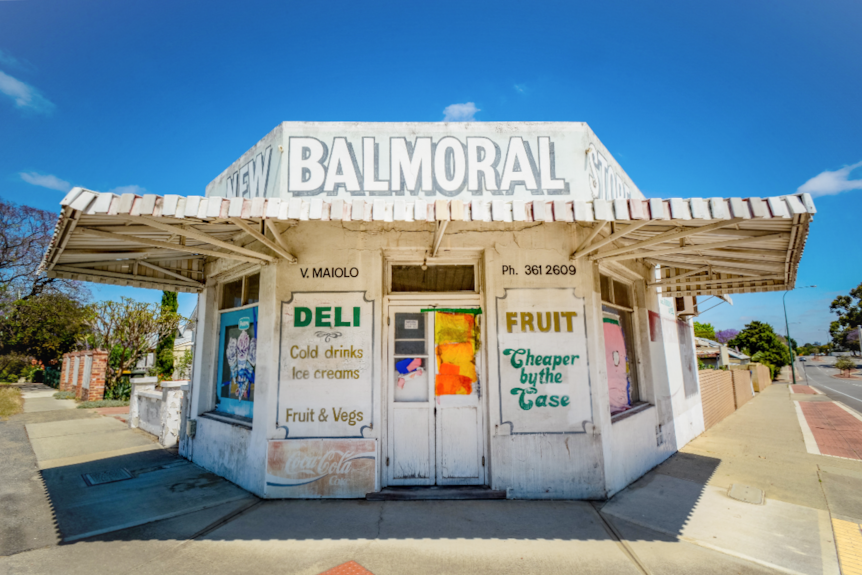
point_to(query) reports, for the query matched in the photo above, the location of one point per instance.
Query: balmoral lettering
(446, 167)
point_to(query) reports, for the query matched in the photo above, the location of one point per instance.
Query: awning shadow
(283, 520)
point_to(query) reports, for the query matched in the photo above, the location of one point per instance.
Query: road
(819, 374)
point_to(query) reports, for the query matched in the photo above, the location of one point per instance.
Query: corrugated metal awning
(703, 246)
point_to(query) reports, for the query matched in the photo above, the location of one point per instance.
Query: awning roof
(704, 246)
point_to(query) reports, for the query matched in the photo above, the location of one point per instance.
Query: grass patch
(103, 403)
(10, 401)
(64, 395)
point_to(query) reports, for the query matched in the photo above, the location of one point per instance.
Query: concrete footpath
(744, 497)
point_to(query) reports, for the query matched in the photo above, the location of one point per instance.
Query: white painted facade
(573, 451)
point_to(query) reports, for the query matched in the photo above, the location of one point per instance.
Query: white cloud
(460, 112)
(830, 183)
(520, 88)
(10, 61)
(46, 181)
(24, 95)
(128, 190)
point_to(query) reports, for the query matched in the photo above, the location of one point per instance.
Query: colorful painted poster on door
(456, 340)
(324, 468)
(543, 369)
(326, 366)
(237, 360)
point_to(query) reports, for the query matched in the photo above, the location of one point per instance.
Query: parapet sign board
(543, 369)
(325, 372)
(465, 160)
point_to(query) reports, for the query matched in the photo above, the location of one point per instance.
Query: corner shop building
(488, 304)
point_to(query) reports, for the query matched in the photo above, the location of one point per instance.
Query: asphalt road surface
(819, 374)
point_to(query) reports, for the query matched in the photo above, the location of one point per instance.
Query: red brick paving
(802, 389)
(349, 568)
(836, 432)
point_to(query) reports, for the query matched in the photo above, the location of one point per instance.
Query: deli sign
(462, 160)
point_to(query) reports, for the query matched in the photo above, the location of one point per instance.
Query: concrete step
(435, 492)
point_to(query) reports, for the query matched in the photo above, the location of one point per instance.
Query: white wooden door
(435, 416)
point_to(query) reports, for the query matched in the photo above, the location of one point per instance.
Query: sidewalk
(760, 449)
(91, 474)
(679, 518)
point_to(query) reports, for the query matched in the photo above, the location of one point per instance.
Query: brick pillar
(79, 382)
(64, 365)
(97, 378)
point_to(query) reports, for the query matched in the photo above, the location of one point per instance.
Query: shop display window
(237, 348)
(617, 325)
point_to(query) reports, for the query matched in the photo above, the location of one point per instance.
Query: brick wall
(65, 369)
(716, 394)
(742, 390)
(96, 389)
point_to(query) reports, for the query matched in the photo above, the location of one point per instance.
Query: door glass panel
(411, 358)
(410, 326)
(411, 379)
(410, 347)
(456, 341)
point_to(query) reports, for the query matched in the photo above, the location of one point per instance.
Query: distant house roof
(709, 348)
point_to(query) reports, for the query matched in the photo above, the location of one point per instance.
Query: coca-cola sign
(321, 468)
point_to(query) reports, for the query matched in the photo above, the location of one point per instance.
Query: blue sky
(693, 99)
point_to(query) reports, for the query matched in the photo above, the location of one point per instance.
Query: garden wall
(83, 373)
(716, 392)
(742, 390)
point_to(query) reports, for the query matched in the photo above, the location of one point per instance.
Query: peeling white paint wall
(591, 464)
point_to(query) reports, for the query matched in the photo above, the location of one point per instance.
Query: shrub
(845, 364)
(52, 377)
(120, 390)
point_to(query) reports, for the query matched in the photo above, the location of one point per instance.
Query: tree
(44, 326)
(25, 234)
(165, 347)
(760, 341)
(129, 329)
(726, 335)
(849, 310)
(704, 330)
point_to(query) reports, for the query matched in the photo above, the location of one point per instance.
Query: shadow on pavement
(363, 520)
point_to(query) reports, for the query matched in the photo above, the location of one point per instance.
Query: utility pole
(787, 327)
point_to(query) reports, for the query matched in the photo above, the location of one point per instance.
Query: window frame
(632, 338)
(214, 413)
(394, 258)
(243, 277)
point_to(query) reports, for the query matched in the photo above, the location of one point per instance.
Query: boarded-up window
(433, 279)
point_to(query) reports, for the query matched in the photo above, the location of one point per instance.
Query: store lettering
(251, 179)
(307, 416)
(606, 183)
(521, 359)
(330, 272)
(325, 317)
(447, 167)
(544, 321)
